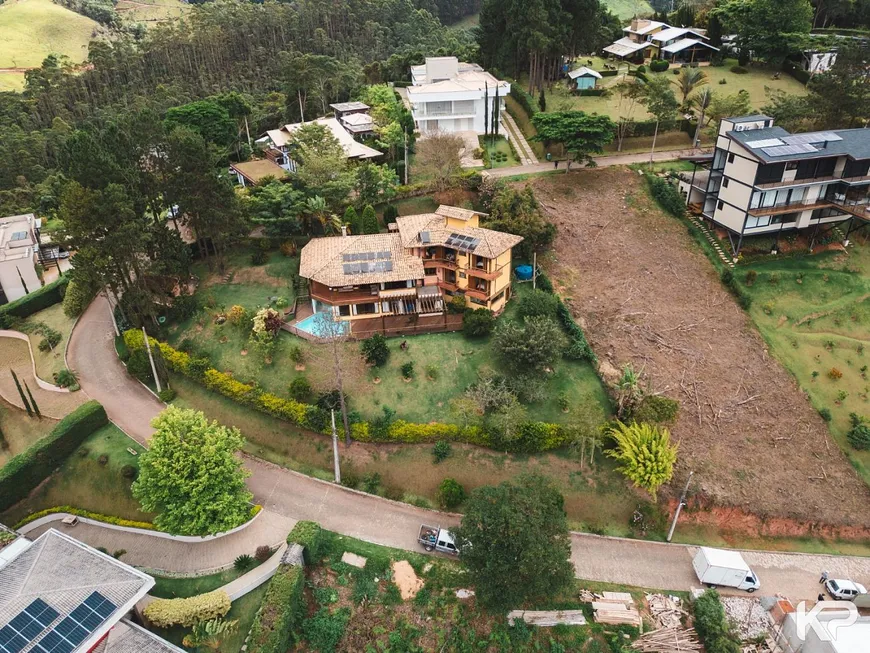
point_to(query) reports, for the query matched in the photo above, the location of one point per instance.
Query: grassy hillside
(151, 12)
(626, 9)
(30, 30)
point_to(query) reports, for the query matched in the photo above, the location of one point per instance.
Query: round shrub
(477, 323)
(263, 553)
(457, 304)
(825, 414)
(739, 70)
(538, 302)
(103, 459)
(657, 66)
(859, 433)
(64, 378)
(259, 257)
(300, 389)
(450, 494)
(641, 68)
(375, 350)
(129, 472)
(166, 395)
(441, 451)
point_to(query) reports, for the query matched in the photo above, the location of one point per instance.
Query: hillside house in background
(652, 39)
(19, 254)
(251, 173)
(761, 179)
(278, 143)
(58, 595)
(583, 78)
(410, 272)
(452, 96)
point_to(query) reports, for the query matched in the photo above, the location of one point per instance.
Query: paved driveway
(295, 496)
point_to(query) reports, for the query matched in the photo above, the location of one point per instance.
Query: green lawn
(48, 362)
(30, 30)
(625, 9)
(755, 82)
(84, 483)
(500, 147)
(19, 431)
(454, 360)
(180, 588)
(814, 313)
(243, 609)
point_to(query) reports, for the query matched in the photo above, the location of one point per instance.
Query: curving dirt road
(371, 518)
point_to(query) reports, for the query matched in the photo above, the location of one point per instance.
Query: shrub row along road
(295, 496)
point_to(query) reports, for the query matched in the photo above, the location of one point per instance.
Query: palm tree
(209, 634)
(316, 208)
(688, 80)
(701, 100)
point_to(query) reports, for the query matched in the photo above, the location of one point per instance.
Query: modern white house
(452, 96)
(763, 180)
(19, 250)
(827, 634)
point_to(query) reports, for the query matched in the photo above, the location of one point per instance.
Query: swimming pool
(320, 327)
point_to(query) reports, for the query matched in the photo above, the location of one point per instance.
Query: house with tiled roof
(653, 39)
(58, 595)
(412, 270)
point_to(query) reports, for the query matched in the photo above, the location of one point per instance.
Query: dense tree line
(533, 36)
(267, 53)
(450, 11)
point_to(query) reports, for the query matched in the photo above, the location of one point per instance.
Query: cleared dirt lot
(647, 296)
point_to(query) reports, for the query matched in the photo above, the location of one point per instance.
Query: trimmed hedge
(107, 519)
(49, 295)
(798, 73)
(281, 612)
(165, 613)
(608, 73)
(309, 535)
(527, 102)
(532, 437)
(29, 468)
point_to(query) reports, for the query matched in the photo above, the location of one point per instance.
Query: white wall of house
(455, 112)
(11, 282)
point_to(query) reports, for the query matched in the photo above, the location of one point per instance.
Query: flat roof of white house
(341, 107)
(16, 237)
(419, 72)
(468, 81)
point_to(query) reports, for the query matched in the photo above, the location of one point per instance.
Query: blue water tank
(524, 272)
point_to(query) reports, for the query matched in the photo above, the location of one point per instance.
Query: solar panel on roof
(766, 142)
(817, 137)
(425, 238)
(346, 257)
(785, 150)
(77, 626)
(347, 268)
(26, 626)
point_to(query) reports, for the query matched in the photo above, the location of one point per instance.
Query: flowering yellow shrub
(165, 613)
(285, 408)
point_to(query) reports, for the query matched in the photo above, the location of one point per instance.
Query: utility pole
(335, 449)
(680, 506)
(151, 358)
(405, 132)
(534, 270)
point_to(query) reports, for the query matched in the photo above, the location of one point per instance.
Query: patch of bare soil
(649, 297)
(406, 579)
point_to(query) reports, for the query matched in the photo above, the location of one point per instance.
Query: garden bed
(50, 361)
(19, 431)
(175, 588)
(85, 482)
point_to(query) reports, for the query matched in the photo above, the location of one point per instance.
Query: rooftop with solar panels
(774, 144)
(58, 595)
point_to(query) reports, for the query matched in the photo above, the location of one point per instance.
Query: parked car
(844, 590)
(435, 538)
(715, 567)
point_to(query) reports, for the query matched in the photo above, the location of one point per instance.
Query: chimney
(344, 230)
(634, 24)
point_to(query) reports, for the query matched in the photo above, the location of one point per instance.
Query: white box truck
(716, 567)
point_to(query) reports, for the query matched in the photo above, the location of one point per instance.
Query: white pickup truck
(435, 538)
(715, 567)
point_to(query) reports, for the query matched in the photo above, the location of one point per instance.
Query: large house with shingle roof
(58, 595)
(411, 269)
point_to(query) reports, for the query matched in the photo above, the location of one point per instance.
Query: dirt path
(649, 297)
